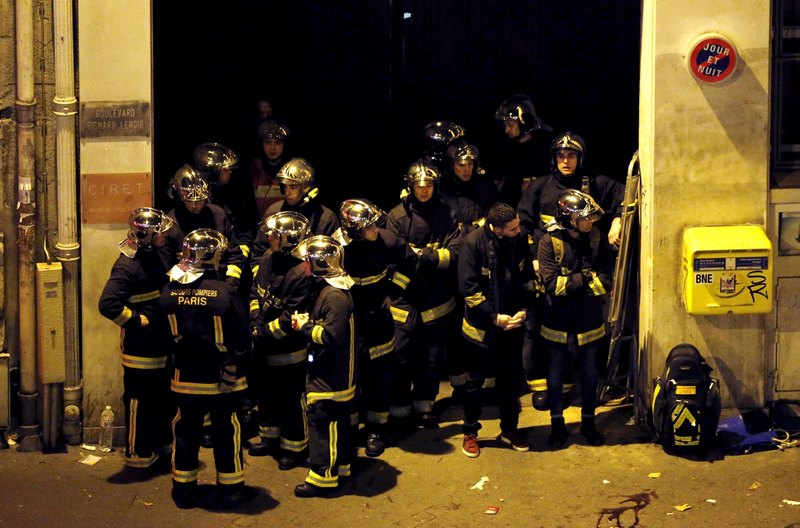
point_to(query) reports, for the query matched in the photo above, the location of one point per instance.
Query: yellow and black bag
(686, 403)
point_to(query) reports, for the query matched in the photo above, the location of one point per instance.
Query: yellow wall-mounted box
(727, 270)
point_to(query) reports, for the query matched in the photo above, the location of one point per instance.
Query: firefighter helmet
(273, 130)
(145, 223)
(289, 226)
(573, 206)
(568, 141)
(296, 170)
(463, 152)
(520, 108)
(421, 171)
(324, 254)
(440, 134)
(188, 184)
(202, 250)
(211, 158)
(357, 214)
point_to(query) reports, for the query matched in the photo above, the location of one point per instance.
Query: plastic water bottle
(106, 429)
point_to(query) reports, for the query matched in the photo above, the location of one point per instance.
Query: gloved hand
(257, 331)
(227, 379)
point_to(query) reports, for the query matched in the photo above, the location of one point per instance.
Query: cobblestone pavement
(425, 481)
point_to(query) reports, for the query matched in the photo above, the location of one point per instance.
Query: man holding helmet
(329, 328)
(130, 300)
(423, 311)
(576, 265)
(279, 289)
(372, 253)
(205, 329)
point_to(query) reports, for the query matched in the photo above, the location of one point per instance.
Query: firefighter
(273, 153)
(496, 279)
(538, 206)
(206, 331)
(576, 264)
(525, 157)
(372, 252)
(437, 138)
(301, 195)
(130, 300)
(329, 327)
(280, 353)
(423, 311)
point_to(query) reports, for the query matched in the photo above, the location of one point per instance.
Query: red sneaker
(514, 440)
(470, 446)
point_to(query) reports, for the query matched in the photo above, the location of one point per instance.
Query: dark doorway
(358, 80)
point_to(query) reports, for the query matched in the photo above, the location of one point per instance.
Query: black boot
(266, 447)
(375, 444)
(290, 460)
(558, 433)
(590, 433)
(539, 400)
(308, 491)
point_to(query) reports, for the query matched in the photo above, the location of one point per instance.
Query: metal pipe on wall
(30, 439)
(68, 245)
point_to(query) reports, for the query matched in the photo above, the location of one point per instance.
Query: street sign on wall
(712, 59)
(110, 198)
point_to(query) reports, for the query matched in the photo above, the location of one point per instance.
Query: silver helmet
(296, 170)
(324, 254)
(573, 206)
(202, 250)
(568, 141)
(463, 152)
(211, 158)
(188, 184)
(273, 130)
(145, 223)
(356, 214)
(421, 171)
(289, 226)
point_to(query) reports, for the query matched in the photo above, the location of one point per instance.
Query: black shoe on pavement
(184, 498)
(429, 421)
(514, 440)
(289, 460)
(262, 448)
(375, 445)
(591, 434)
(539, 401)
(309, 491)
(232, 498)
(558, 434)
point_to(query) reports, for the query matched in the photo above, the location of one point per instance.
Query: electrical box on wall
(727, 270)
(51, 356)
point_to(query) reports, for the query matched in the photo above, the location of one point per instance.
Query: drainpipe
(30, 439)
(67, 245)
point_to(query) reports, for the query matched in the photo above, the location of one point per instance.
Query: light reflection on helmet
(568, 141)
(421, 172)
(289, 226)
(273, 130)
(211, 158)
(440, 134)
(145, 223)
(296, 170)
(188, 184)
(462, 152)
(520, 108)
(324, 254)
(202, 250)
(357, 214)
(573, 206)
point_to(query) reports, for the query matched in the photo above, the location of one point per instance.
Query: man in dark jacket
(329, 327)
(207, 335)
(495, 276)
(130, 300)
(576, 264)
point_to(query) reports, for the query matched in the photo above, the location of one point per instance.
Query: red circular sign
(713, 59)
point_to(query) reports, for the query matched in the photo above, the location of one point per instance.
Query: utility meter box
(727, 270)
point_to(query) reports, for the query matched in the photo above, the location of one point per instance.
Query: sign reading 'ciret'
(712, 59)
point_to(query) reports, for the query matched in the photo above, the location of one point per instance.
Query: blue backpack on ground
(686, 403)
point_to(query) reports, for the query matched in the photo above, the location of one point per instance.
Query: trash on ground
(683, 507)
(606, 481)
(90, 460)
(711, 501)
(491, 510)
(479, 484)
(653, 475)
(791, 502)
(88, 447)
(755, 485)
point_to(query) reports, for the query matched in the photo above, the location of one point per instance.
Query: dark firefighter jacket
(495, 275)
(539, 202)
(133, 289)
(574, 297)
(331, 335)
(206, 331)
